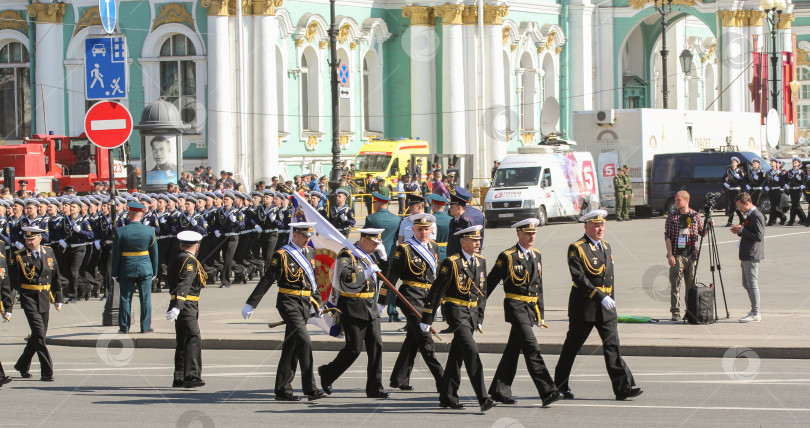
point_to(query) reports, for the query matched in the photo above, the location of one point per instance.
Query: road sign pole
(110, 315)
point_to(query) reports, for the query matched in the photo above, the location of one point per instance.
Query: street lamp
(334, 177)
(686, 61)
(664, 7)
(774, 9)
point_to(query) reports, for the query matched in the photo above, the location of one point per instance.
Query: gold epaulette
(454, 257)
(580, 242)
(536, 250)
(480, 257)
(509, 251)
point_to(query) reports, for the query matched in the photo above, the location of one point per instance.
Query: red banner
(787, 77)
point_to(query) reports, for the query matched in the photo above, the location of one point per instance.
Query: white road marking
(722, 408)
(766, 237)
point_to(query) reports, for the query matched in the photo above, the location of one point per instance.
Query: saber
(409, 305)
(280, 323)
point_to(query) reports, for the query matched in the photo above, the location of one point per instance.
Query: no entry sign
(108, 124)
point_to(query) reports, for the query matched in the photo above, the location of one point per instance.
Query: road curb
(483, 347)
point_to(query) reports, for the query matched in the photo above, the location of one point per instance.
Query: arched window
(372, 93)
(309, 90)
(804, 99)
(281, 104)
(507, 90)
(528, 93)
(178, 76)
(15, 91)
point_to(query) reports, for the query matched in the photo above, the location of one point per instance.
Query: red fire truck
(51, 162)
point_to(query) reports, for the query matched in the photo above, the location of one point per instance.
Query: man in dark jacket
(752, 251)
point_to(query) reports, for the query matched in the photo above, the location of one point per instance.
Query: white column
(222, 145)
(423, 83)
(735, 59)
(580, 43)
(50, 79)
(607, 62)
(472, 106)
(496, 122)
(265, 119)
(454, 135)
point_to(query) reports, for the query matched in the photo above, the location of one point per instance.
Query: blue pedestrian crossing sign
(105, 68)
(108, 13)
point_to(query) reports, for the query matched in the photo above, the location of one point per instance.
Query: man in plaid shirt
(682, 232)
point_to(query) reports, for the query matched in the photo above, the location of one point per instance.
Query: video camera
(711, 201)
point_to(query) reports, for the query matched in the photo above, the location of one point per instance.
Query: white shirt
(526, 253)
(598, 244)
(467, 257)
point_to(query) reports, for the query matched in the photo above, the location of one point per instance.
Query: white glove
(7, 317)
(381, 308)
(232, 217)
(97, 244)
(19, 245)
(480, 327)
(801, 187)
(608, 302)
(58, 306)
(162, 220)
(258, 228)
(63, 243)
(272, 217)
(343, 217)
(217, 233)
(77, 227)
(424, 327)
(767, 189)
(376, 269)
(247, 311)
(171, 316)
(193, 222)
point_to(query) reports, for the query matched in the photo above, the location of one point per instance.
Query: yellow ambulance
(388, 159)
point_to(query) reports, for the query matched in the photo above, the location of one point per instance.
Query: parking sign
(105, 66)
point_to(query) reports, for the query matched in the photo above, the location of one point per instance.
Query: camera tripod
(714, 260)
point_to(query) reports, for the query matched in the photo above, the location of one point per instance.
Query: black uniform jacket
(522, 283)
(28, 273)
(356, 299)
(186, 281)
(464, 290)
(592, 273)
(285, 270)
(417, 277)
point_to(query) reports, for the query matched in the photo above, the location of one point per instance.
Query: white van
(544, 183)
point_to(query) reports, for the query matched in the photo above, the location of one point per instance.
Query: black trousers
(521, 340)
(89, 266)
(74, 257)
(105, 265)
(38, 322)
(578, 332)
(271, 238)
(462, 349)
(731, 195)
(283, 239)
(796, 206)
(415, 340)
(228, 251)
(357, 332)
(163, 259)
(756, 195)
(775, 197)
(296, 350)
(188, 353)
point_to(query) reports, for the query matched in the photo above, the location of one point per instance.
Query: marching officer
(461, 282)
(755, 181)
(79, 235)
(186, 280)
(292, 268)
(521, 270)
(229, 221)
(774, 180)
(34, 274)
(354, 286)
(414, 262)
(807, 193)
(135, 261)
(385, 219)
(341, 215)
(267, 213)
(6, 301)
(795, 187)
(732, 182)
(591, 305)
(459, 221)
(437, 206)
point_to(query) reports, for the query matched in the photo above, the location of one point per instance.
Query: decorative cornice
(784, 22)
(263, 7)
(505, 34)
(756, 17)
(741, 18)
(51, 13)
(801, 58)
(218, 7)
(451, 14)
(470, 15)
(493, 15)
(343, 33)
(549, 42)
(13, 20)
(173, 13)
(419, 15)
(89, 18)
(311, 32)
(639, 4)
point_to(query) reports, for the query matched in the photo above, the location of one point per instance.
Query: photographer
(682, 230)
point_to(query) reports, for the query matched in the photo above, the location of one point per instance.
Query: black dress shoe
(4, 380)
(317, 395)
(790, 223)
(567, 395)
(630, 393)
(446, 331)
(23, 373)
(193, 383)
(488, 404)
(405, 387)
(379, 394)
(456, 406)
(177, 383)
(327, 387)
(225, 285)
(503, 400)
(46, 378)
(122, 331)
(551, 397)
(286, 397)
(728, 224)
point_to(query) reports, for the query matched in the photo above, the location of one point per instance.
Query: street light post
(334, 177)
(686, 64)
(664, 9)
(773, 9)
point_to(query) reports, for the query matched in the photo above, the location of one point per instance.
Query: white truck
(633, 136)
(543, 182)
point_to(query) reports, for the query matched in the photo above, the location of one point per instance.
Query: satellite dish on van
(549, 116)
(772, 128)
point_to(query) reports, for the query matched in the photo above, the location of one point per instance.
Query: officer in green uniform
(461, 282)
(619, 191)
(438, 204)
(628, 193)
(134, 264)
(389, 222)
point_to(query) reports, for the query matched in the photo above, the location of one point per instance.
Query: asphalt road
(129, 388)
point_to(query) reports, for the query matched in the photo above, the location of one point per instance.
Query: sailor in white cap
(774, 181)
(186, 280)
(732, 185)
(341, 215)
(354, 287)
(520, 268)
(591, 305)
(461, 282)
(795, 187)
(415, 264)
(34, 274)
(292, 267)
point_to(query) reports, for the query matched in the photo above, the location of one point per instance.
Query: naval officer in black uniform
(355, 287)
(415, 263)
(186, 278)
(34, 274)
(591, 305)
(6, 301)
(461, 282)
(292, 267)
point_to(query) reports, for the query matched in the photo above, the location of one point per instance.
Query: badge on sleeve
(190, 268)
